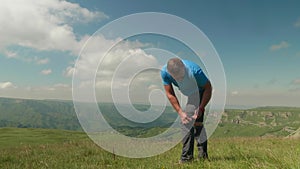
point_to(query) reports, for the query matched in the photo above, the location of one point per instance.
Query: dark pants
(192, 133)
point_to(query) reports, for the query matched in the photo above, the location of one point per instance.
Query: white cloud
(5, 85)
(56, 91)
(25, 58)
(61, 85)
(282, 45)
(297, 23)
(296, 82)
(46, 71)
(55, 88)
(97, 48)
(265, 98)
(42, 25)
(118, 69)
(234, 93)
(69, 71)
(10, 54)
(41, 61)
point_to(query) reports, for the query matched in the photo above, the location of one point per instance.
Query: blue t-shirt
(193, 81)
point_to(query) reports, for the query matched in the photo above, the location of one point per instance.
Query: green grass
(14, 137)
(41, 148)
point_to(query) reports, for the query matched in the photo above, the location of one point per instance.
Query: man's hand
(184, 118)
(198, 112)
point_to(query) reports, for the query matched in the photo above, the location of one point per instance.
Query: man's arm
(205, 96)
(207, 90)
(174, 102)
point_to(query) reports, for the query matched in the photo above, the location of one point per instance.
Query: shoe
(185, 161)
(203, 156)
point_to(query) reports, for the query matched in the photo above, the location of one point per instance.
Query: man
(192, 82)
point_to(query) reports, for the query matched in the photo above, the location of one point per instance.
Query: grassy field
(43, 148)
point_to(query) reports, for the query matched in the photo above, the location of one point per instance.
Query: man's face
(179, 76)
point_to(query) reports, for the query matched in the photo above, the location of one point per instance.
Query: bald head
(176, 68)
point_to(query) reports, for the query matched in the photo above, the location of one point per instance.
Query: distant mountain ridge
(60, 114)
(27, 113)
(260, 121)
(56, 114)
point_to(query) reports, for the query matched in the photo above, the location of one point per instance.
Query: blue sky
(257, 41)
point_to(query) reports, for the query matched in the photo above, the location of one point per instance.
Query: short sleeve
(165, 77)
(200, 78)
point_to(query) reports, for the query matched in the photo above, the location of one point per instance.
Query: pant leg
(188, 136)
(200, 132)
(187, 144)
(201, 139)
(191, 132)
